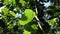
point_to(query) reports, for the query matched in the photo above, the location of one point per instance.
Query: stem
(38, 21)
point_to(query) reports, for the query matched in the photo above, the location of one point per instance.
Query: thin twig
(38, 21)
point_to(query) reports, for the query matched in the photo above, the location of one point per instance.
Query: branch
(38, 21)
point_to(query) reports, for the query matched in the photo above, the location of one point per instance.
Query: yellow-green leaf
(6, 2)
(29, 15)
(22, 2)
(5, 11)
(34, 26)
(52, 21)
(10, 26)
(26, 32)
(12, 13)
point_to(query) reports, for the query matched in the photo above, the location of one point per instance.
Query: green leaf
(13, 1)
(12, 13)
(52, 21)
(34, 26)
(10, 26)
(26, 32)
(5, 11)
(29, 15)
(22, 2)
(6, 2)
(17, 9)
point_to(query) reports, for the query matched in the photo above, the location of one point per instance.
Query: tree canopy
(29, 16)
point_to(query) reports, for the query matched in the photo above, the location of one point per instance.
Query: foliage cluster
(19, 17)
